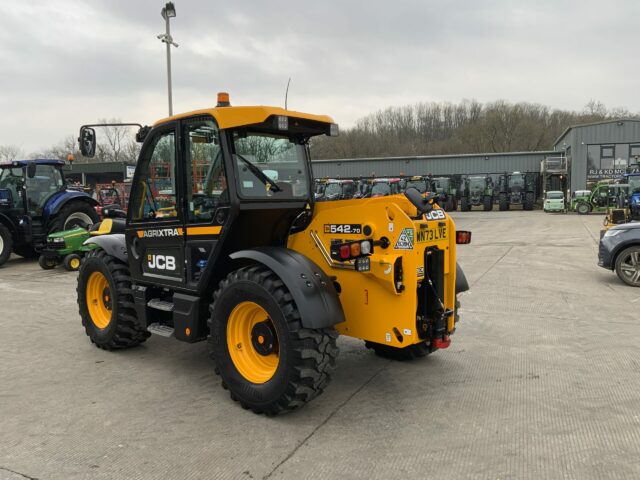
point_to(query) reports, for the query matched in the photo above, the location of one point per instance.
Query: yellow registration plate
(431, 234)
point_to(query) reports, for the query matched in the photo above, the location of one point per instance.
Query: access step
(159, 329)
(160, 305)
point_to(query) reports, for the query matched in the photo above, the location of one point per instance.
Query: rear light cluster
(358, 251)
(463, 237)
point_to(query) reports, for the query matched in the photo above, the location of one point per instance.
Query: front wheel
(6, 243)
(72, 262)
(628, 266)
(47, 263)
(269, 362)
(106, 303)
(583, 208)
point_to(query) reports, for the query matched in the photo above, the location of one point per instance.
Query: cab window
(155, 198)
(270, 166)
(206, 179)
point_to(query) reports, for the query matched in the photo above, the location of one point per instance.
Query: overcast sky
(70, 62)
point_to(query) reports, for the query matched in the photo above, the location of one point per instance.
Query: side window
(155, 197)
(206, 179)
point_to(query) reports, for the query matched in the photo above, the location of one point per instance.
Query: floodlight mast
(168, 12)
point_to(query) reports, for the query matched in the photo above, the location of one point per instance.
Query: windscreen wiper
(273, 186)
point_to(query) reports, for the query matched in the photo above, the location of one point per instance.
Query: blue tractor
(35, 201)
(633, 180)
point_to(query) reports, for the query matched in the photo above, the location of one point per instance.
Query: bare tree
(10, 152)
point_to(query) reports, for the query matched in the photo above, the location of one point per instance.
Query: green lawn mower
(65, 247)
(68, 246)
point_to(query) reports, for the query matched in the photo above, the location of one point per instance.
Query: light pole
(168, 11)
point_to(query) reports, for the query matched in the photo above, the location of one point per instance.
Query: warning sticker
(405, 240)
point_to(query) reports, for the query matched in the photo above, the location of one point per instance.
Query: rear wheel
(72, 262)
(464, 204)
(74, 214)
(106, 303)
(583, 208)
(528, 202)
(628, 266)
(269, 362)
(448, 205)
(503, 205)
(6, 243)
(487, 203)
(47, 263)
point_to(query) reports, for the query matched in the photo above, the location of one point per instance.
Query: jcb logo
(435, 214)
(161, 262)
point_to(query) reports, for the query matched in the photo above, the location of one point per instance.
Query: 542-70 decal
(345, 228)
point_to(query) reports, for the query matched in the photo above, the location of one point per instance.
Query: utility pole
(168, 12)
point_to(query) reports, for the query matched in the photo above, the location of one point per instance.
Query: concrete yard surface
(542, 381)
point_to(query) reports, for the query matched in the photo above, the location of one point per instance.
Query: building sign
(602, 173)
(131, 169)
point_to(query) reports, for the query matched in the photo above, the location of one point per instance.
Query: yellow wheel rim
(99, 301)
(245, 335)
(75, 263)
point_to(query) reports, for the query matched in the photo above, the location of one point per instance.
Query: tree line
(418, 129)
(466, 127)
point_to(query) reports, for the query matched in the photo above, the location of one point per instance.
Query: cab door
(207, 198)
(155, 233)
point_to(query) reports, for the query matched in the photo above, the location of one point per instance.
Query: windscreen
(270, 165)
(555, 195)
(419, 185)
(381, 189)
(634, 184)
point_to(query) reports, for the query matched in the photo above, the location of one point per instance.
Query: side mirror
(31, 169)
(87, 141)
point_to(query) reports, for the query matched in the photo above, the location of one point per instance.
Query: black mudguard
(461, 281)
(113, 244)
(312, 290)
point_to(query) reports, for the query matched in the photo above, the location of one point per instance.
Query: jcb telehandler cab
(223, 241)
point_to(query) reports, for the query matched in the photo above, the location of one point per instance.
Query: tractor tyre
(464, 204)
(25, 251)
(455, 204)
(106, 304)
(528, 202)
(412, 352)
(487, 203)
(583, 208)
(448, 206)
(503, 204)
(267, 360)
(6, 244)
(72, 215)
(72, 262)
(627, 266)
(47, 263)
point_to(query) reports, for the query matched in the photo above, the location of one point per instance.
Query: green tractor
(68, 247)
(515, 189)
(606, 194)
(446, 191)
(477, 191)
